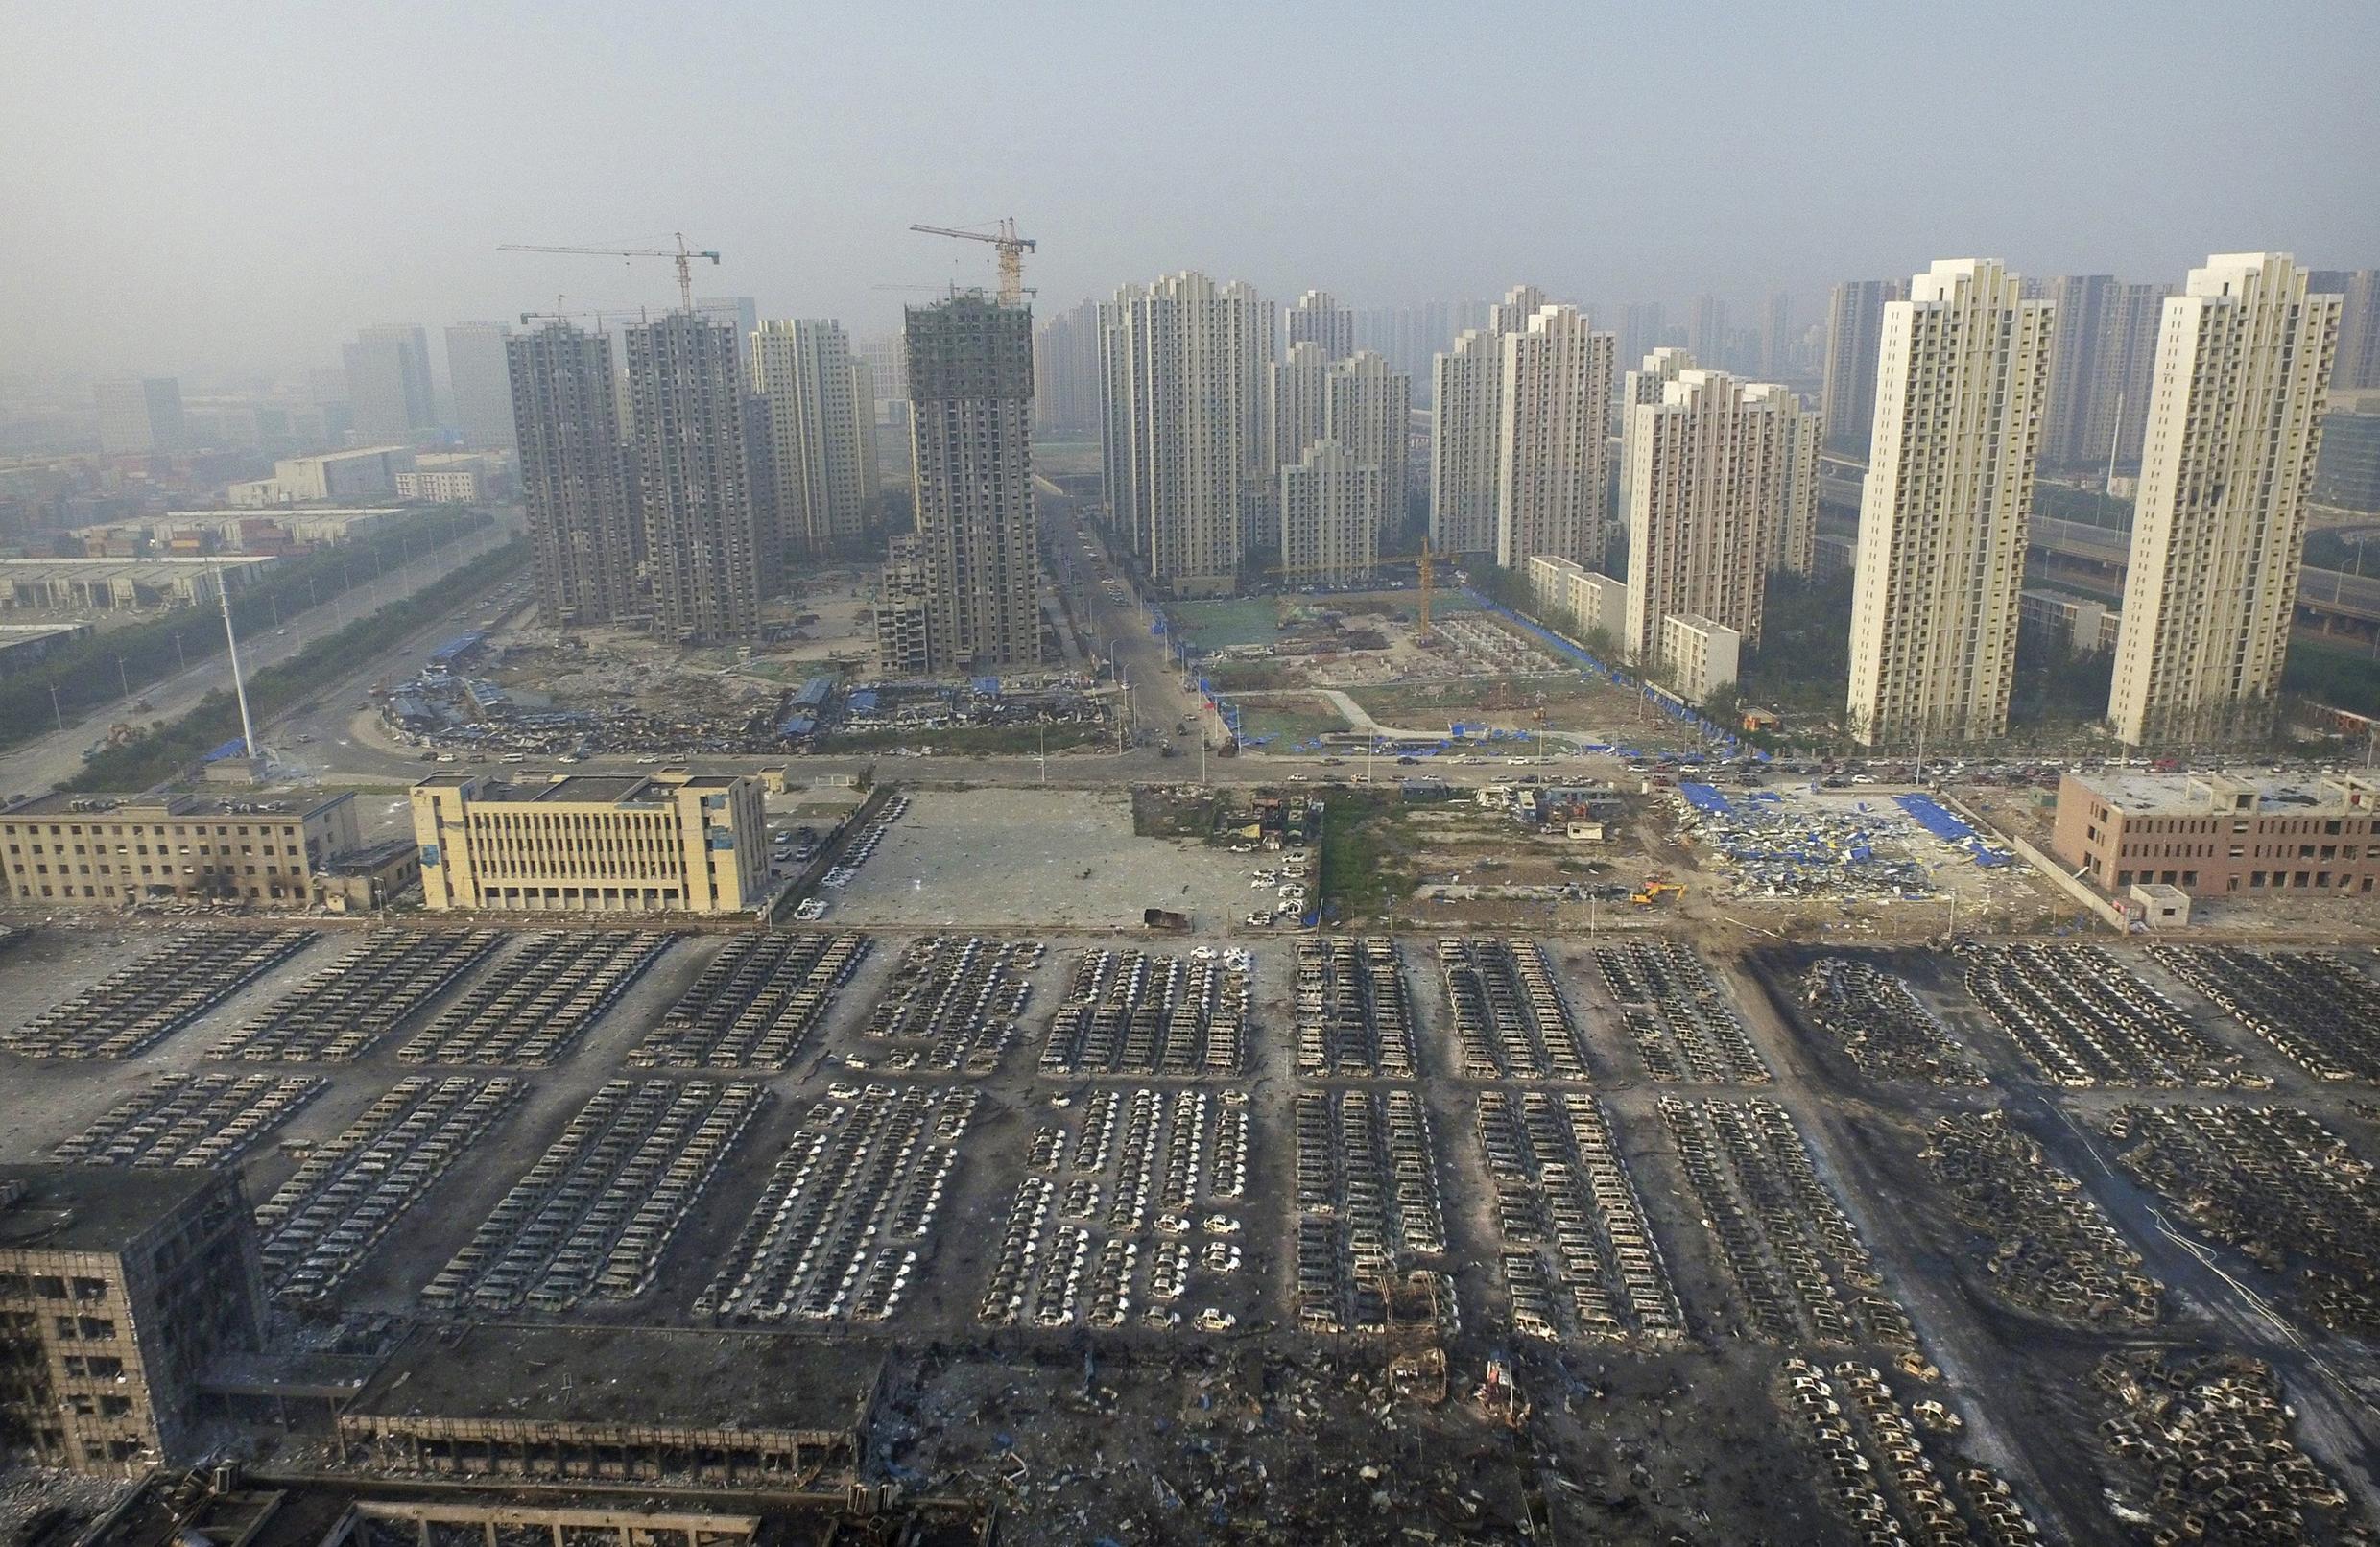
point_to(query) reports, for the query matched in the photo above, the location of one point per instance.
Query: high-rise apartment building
(1854, 326)
(1296, 402)
(1410, 337)
(1962, 377)
(821, 419)
(740, 313)
(1776, 335)
(694, 479)
(2099, 372)
(970, 397)
(1368, 409)
(1722, 481)
(480, 373)
(1641, 327)
(1553, 452)
(1065, 371)
(1185, 368)
(388, 393)
(2358, 363)
(1465, 457)
(1318, 319)
(1330, 516)
(583, 533)
(139, 417)
(1706, 329)
(2235, 419)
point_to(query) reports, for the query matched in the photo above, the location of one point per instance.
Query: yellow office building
(592, 842)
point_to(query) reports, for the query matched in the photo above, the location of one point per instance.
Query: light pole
(55, 713)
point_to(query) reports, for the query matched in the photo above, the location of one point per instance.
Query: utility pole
(239, 688)
(182, 661)
(122, 680)
(55, 713)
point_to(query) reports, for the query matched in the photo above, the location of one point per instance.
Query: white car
(1212, 1320)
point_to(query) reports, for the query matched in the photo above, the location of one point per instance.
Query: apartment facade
(694, 479)
(1595, 603)
(1961, 378)
(1317, 319)
(821, 423)
(1553, 461)
(970, 424)
(2214, 836)
(1722, 481)
(117, 1286)
(1854, 332)
(592, 842)
(1330, 516)
(1065, 370)
(1467, 463)
(1698, 654)
(2357, 364)
(585, 536)
(107, 851)
(2235, 421)
(1186, 365)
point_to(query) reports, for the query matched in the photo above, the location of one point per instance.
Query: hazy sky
(215, 185)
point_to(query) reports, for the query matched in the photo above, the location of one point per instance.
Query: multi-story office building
(2358, 359)
(106, 851)
(575, 467)
(1552, 467)
(1594, 603)
(1330, 516)
(1961, 378)
(970, 418)
(1698, 655)
(1722, 485)
(2216, 836)
(118, 1286)
(479, 372)
(1065, 371)
(139, 417)
(821, 419)
(694, 479)
(2235, 419)
(1186, 365)
(389, 392)
(1854, 327)
(1466, 449)
(1318, 319)
(592, 842)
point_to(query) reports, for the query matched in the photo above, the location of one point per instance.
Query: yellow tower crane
(684, 255)
(1012, 250)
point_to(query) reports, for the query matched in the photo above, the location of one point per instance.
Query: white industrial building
(367, 472)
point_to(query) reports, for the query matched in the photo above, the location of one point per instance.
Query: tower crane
(1012, 250)
(684, 255)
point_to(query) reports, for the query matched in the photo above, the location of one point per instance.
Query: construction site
(1037, 1193)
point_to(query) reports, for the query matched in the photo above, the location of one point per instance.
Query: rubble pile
(1560, 1183)
(960, 996)
(596, 1211)
(1771, 846)
(1683, 1027)
(754, 1005)
(2202, 1445)
(1883, 1027)
(2053, 1251)
(849, 1208)
(2321, 1012)
(534, 1003)
(1796, 1257)
(1354, 1019)
(192, 1120)
(2274, 1183)
(2081, 1019)
(1132, 1012)
(130, 1012)
(344, 1197)
(343, 1010)
(1368, 1204)
(1510, 1020)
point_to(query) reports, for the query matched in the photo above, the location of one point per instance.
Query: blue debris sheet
(1928, 814)
(1704, 798)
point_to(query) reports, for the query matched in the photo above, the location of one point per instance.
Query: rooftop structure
(2214, 834)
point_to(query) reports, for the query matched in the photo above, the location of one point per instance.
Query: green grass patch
(1365, 844)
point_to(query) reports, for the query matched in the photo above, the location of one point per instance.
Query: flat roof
(659, 1376)
(181, 807)
(93, 1208)
(167, 563)
(2155, 793)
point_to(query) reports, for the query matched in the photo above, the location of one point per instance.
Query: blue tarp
(814, 693)
(234, 748)
(1704, 798)
(459, 646)
(863, 701)
(986, 687)
(800, 725)
(1928, 813)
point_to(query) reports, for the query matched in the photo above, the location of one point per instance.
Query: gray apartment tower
(139, 417)
(1065, 371)
(480, 375)
(971, 370)
(695, 479)
(573, 476)
(1854, 335)
(2359, 324)
(389, 394)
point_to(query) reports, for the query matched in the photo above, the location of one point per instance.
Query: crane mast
(1012, 250)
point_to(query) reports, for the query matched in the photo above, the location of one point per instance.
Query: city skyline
(1170, 179)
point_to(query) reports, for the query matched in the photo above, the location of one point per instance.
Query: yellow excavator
(1654, 889)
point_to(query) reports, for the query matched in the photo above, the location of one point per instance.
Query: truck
(1164, 922)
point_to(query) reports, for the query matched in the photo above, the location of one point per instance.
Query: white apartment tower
(1330, 516)
(970, 396)
(1318, 319)
(2234, 419)
(1298, 402)
(822, 433)
(1368, 409)
(1717, 470)
(1552, 453)
(1962, 377)
(1464, 460)
(1186, 365)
